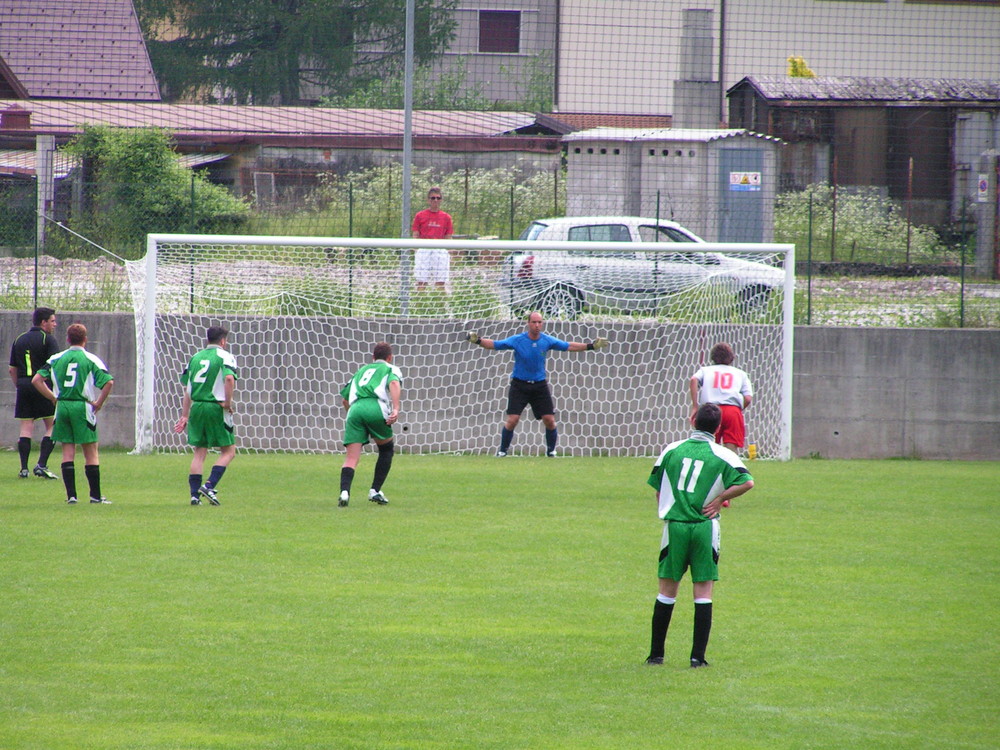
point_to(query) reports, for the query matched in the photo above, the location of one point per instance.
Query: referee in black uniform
(29, 352)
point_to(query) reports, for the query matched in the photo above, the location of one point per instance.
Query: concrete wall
(609, 53)
(112, 338)
(858, 392)
(896, 392)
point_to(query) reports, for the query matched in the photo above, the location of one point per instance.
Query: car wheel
(560, 302)
(753, 300)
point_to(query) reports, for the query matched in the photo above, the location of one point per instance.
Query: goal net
(305, 312)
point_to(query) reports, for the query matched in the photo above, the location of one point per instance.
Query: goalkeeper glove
(473, 337)
(600, 344)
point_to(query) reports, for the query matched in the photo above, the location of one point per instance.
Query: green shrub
(134, 185)
(869, 228)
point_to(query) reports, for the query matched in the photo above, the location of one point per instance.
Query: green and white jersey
(691, 473)
(76, 374)
(372, 381)
(205, 376)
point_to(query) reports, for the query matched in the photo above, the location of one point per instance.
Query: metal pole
(511, 212)
(909, 204)
(406, 255)
(809, 265)
(38, 218)
(961, 267)
(723, 115)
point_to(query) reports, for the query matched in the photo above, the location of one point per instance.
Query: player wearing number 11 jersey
(693, 479)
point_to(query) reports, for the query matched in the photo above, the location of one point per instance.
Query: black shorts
(30, 404)
(537, 394)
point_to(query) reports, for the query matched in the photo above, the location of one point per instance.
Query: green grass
(495, 605)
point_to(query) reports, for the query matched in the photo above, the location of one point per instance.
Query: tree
(797, 68)
(134, 185)
(269, 51)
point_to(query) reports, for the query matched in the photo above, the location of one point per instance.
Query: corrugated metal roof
(221, 119)
(873, 89)
(22, 162)
(665, 134)
(585, 120)
(77, 50)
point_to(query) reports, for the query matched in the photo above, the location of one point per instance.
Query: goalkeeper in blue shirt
(528, 382)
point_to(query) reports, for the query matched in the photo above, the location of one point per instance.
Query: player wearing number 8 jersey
(207, 412)
(693, 480)
(372, 403)
(727, 386)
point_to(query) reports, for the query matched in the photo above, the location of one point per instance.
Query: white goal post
(305, 312)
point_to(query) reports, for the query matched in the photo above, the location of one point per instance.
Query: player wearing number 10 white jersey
(727, 386)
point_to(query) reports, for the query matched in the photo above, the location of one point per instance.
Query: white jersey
(723, 384)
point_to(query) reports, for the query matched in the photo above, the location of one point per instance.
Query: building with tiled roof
(922, 137)
(68, 49)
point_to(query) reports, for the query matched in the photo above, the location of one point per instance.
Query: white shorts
(431, 265)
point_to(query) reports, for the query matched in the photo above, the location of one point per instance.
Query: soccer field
(495, 604)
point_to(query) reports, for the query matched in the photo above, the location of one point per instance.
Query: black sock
(194, 482)
(383, 464)
(93, 472)
(69, 478)
(661, 621)
(702, 629)
(46, 450)
(346, 477)
(550, 439)
(506, 436)
(24, 450)
(216, 476)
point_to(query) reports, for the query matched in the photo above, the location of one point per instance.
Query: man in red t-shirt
(432, 264)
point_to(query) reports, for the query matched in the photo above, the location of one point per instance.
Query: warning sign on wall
(744, 180)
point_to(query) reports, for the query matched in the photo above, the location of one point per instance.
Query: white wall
(623, 57)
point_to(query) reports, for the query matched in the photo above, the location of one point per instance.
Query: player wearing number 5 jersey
(207, 412)
(693, 480)
(727, 386)
(81, 384)
(372, 403)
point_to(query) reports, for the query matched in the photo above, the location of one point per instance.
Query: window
(600, 233)
(649, 233)
(500, 31)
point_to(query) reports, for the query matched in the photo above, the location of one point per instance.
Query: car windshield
(534, 229)
(650, 233)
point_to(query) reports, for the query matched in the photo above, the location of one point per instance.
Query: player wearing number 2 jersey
(372, 403)
(207, 412)
(727, 386)
(693, 480)
(80, 386)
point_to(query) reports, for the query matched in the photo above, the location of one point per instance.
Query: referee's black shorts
(30, 404)
(524, 392)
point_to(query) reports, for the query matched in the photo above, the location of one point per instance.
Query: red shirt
(432, 225)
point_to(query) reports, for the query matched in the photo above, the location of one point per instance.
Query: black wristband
(590, 346)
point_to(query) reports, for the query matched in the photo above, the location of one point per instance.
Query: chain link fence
(860, 261)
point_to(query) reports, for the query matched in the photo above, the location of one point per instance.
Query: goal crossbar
(311, 299)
